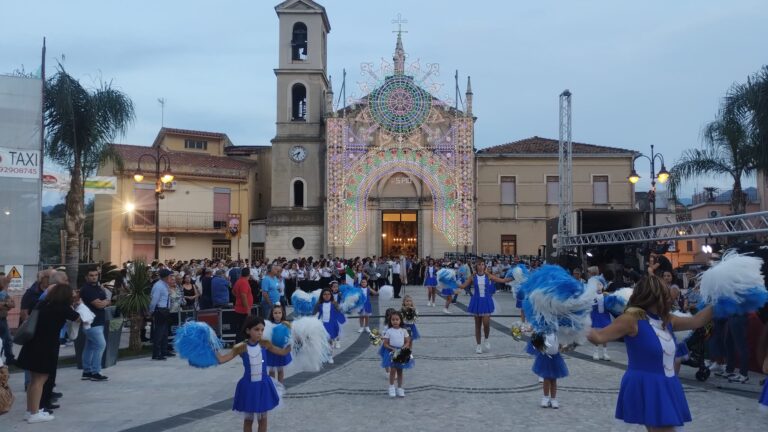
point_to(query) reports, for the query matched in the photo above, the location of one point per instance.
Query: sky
(641, 72)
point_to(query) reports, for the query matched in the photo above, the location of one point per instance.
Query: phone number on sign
(17, 170)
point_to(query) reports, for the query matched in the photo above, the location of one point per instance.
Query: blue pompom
(198, 343)
(303, 303)
(554, 283)
(352, 299)
(344, 288)
(446, 279)
(281, 336)
(747, 301)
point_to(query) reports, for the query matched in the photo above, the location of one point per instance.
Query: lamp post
(161, 177)
(662, 177)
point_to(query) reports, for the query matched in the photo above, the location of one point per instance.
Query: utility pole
(565, 171)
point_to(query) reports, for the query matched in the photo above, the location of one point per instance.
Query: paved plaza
(450, 388)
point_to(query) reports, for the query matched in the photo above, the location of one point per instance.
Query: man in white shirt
(396, 281)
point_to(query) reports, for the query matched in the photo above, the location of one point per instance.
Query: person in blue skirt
(650, 392)
(255, 393)
(430, 282)
(408, 311)
(550, 366)
(328, 312)
(601, 318)
(394, 339)
(365, 312)
(277, 363)
(481, 303)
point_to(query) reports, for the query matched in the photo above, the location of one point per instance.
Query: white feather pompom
(735, 285)
(268, 327)
(387, 292)
(309, 345)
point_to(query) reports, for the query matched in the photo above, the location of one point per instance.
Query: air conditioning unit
(714, 214)
(167, 241)
(170, 186)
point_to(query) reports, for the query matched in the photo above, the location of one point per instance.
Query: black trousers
(45, 397)
(159, 334)
(290, 287)
(397, 284)
(239, 323)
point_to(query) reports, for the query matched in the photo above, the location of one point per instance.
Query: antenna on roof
(162, 111)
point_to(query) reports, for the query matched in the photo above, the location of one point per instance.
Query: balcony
(177, 221)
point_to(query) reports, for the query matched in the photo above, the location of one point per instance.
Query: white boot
(596, 354)
(392, 391)
(605, 355)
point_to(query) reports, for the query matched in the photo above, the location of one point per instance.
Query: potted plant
(134, 301)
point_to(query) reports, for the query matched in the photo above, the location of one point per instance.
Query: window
(298, 243)
(508, 192)
(689, 246)
(257, 251)
(221, 249)
(298, 102)
(144, 200)
(600, 189)
(221, 202)
(298, 193)
(509, 245)
(553, 190)
(195, 144)
(299, 42)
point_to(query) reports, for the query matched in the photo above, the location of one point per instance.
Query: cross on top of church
(399, 21)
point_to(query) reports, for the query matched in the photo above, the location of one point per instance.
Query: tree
(80, 125)
(751, 100)
(133, 301)
(730, 148)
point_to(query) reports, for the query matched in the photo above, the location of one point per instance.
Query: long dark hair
(650, 292)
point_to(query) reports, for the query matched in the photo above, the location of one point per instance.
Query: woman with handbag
(40, 352)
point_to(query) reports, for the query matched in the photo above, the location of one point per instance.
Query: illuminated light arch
(427, 166)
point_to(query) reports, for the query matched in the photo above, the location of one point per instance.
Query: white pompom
(386, 292)
(733, 274)
(309, 345)
(683, 335)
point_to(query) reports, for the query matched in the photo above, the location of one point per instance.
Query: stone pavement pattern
(450, 388)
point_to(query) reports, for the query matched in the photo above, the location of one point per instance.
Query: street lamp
(662, 176)
(161, 176)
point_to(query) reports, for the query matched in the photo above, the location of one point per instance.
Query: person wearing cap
(159, 307)
(93, 296)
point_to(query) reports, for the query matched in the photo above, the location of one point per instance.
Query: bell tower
(295, 224)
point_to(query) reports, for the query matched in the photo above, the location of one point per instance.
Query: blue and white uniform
(650, 393)
(430, 277)
(330, 318)
(600, 317)
(481, 302)
(255, 393)
(276, 360)
(396, 338)
(413, 331)
(550, 364)
(367, 309)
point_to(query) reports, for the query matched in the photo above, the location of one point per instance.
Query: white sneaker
(446, 311)
(541, 380)
(39, 417)
(596, 354)
(368, 330)
(487, 345)
(400, 392)
(605, 355)
(392, 392)
(360, 330)
(479, 349)
(337, 345)
(429, 304)
(330, 360)
(432, 304)
(554, 404)
(545, 402)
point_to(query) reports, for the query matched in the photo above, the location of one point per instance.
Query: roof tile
(539, 145)
(187, 163)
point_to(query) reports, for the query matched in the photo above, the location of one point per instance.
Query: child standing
(394, 339)
(276, 363)
(601, 318)
(550, 366)
(430, 282)
(328, 312)
(481, 303)
(409, 314)
(382, 350)
(255, 394)
(365, 312)
(337, 298)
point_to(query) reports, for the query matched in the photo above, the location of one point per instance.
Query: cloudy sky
(641, 72)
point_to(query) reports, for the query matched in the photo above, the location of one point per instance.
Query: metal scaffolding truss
(745, 224)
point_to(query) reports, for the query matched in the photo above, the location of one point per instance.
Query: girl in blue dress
(601, 318)
(549, 366)
(650, 392)
(275, 362)
(367, 309)
(328, 312)
(481, 302)
(394, 339)
(255, 393)
(430, 282)
(408, 311)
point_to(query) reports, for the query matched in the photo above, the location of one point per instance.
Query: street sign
(19, 163)
(16, 273)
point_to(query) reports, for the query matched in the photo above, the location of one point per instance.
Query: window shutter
(553, 190)
(508, 192)
(600, 189)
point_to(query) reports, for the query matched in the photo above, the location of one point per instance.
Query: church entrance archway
(399, 233)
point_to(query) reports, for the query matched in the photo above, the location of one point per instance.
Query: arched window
(298, 193)
(298, 102)
(299, 42)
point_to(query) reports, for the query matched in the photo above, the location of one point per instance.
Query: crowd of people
(262, 290)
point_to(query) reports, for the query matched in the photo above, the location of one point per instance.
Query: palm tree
(80, 125)
(751, 99)
(134, 301)
(730, 144)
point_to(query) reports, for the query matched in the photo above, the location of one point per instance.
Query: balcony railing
(144, 220)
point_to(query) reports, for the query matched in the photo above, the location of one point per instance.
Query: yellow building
(204, 212)
(517, 190)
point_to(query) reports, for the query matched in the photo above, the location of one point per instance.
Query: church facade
(390, 173)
